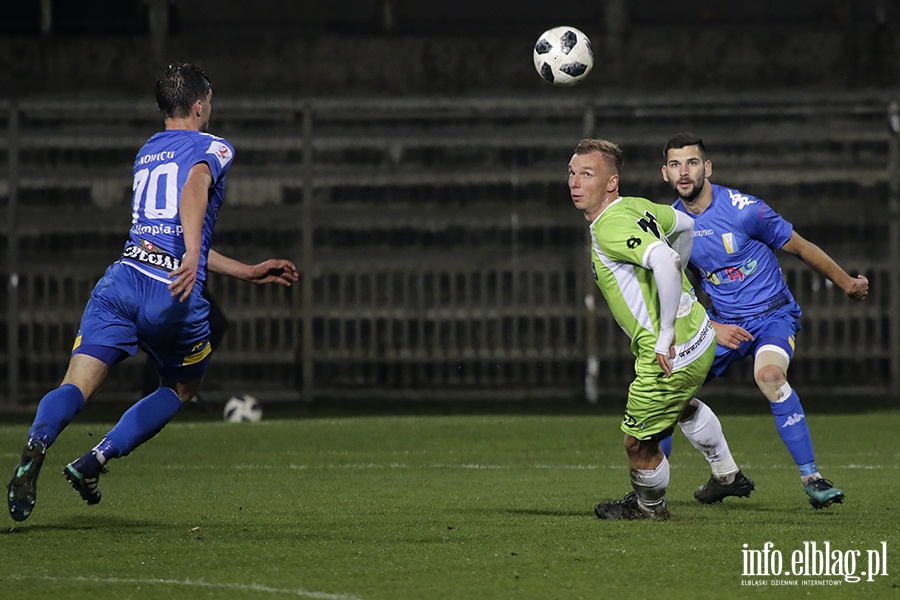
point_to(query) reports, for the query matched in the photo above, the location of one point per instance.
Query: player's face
(592, 177)
(686, 171)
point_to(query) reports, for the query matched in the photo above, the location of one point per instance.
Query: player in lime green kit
(639, 249)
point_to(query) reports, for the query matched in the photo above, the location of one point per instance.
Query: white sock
(704, 431)
(651, 484)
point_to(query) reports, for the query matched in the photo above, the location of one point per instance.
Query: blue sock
(140, 423)
(665, 445)
(55, 411)
(791, 424)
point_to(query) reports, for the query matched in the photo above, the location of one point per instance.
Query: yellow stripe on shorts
(196, 357)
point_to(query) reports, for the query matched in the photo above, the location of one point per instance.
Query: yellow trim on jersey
(77, 342)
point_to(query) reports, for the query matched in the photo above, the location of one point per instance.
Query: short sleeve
(764, 224)
(625, 240)
(218, 154)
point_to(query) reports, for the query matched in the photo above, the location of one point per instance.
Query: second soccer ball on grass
(243, 408)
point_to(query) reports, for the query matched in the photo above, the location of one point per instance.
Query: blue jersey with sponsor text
(734, 258)
(156, 241)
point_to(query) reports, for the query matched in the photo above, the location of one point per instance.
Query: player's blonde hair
(604, 147)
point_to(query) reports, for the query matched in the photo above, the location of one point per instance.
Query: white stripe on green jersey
(621, 237)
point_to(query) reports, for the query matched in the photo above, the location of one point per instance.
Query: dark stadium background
(408, 158)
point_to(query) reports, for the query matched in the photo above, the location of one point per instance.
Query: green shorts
(655, 402)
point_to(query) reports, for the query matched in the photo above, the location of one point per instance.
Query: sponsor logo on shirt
(739, 200)
(140, 229)
(222, 152)
(148, 253)
(698, 343)
(731, 274)
(685, 305)
(703, 232)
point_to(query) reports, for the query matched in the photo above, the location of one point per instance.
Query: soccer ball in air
(563, 56)
(243, 409)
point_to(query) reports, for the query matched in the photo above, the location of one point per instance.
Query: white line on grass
(479, 467)
(482, 467)
(251, 587)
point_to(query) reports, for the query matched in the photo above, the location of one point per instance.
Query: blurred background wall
(468, 47)
(409, 159)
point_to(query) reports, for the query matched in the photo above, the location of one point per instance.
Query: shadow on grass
(546, 512)
(86, 524)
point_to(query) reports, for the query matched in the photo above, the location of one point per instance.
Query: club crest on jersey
(221, 151)
(728, 241)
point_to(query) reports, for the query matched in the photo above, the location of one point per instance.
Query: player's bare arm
(855, 287)
(275, 270)
(192, 209)
(730, 336)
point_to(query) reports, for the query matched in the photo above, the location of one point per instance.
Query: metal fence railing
(440, 256)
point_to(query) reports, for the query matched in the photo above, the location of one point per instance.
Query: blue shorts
(128, 310)
(777, 328)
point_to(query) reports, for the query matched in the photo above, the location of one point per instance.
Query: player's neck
(700, 202)
(188, 124)
(593, 216)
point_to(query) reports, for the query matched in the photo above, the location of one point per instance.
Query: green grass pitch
(444, 507)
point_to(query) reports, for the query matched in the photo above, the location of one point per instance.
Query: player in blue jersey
(150, 297)
(754, 314)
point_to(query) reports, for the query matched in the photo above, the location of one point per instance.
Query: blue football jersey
(156, 241)
(733, 255)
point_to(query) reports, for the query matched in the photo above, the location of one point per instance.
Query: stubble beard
(691, 195)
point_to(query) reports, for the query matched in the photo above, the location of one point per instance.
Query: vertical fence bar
(12, 241)
(307, 392)
(589, 308)
(893, 167)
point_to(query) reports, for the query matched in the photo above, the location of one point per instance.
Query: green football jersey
(620, 238)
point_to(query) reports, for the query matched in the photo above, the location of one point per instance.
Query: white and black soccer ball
(563, 56)
(243, 408)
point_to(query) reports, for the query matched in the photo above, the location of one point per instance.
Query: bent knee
(632, 445)
(185, 391)
(641, 450)
(772, 382)
(770, 374)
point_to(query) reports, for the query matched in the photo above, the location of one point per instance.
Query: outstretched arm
(855, 287)
(274, 270)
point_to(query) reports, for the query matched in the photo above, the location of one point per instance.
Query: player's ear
(665, 174)
(707, 168)
(613, 183)
(198, 108)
